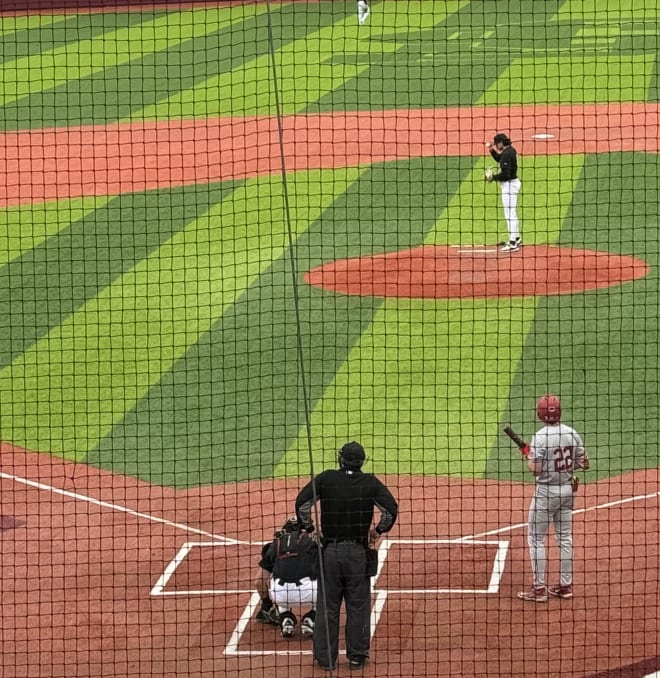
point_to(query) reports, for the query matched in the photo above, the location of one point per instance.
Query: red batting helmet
(548, 408)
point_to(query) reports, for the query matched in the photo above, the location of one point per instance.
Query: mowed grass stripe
(611, 11)
(15, 24)
(246, 366)
(25, 227)
(113, 93)
(304, 69)
(67, 392)
(83, 58)
(572, 79)
(46, 32)
(380, 218)
(43, 285)
(429, 381)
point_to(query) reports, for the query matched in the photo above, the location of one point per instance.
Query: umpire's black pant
(344, 578)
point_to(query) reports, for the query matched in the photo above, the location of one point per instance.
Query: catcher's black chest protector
(291, 561)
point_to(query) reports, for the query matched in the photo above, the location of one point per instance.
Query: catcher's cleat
(268, 615)
(537, 594)
(561, 591)
(287, 624)
(307, 624)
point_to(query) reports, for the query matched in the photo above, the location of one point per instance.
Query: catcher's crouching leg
(267, 613)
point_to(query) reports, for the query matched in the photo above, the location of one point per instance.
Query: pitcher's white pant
(551, 504)
(287, 595)
(510, 190)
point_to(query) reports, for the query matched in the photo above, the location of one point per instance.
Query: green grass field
(155, 333)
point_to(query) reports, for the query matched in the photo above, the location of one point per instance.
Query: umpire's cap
(502, 138)
(352, 455)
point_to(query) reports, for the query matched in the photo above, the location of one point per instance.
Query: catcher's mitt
(489, 174)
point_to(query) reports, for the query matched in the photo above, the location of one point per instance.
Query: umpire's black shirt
(347, 499)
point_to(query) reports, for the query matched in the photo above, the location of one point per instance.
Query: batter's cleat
(564, 592)
(538, 594)
(307, 624)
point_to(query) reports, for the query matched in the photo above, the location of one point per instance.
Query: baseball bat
(515, 437)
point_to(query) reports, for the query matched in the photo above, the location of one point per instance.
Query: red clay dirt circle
(449, 272)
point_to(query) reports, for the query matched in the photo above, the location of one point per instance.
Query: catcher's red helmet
(548, 408)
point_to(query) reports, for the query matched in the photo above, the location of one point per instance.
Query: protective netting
(236, 236)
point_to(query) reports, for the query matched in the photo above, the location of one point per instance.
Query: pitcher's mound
(444, 272)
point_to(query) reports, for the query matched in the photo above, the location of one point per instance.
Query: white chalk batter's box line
(497, 569)
(380, 595)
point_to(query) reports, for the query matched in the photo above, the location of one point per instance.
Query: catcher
(289, 573)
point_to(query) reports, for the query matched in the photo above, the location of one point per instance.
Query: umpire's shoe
(357, 663)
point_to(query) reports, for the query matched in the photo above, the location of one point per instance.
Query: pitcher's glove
(489, 174)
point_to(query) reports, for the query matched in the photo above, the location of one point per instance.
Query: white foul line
(118, 507)
(609, 504)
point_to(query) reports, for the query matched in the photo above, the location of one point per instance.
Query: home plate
(543, 136)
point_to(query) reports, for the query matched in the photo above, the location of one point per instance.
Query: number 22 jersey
(560, 449)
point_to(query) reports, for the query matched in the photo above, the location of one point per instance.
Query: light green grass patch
(13, 24)
(573, 80)
(25, 227)
(611, 11)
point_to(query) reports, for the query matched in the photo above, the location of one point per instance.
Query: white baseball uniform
(560, 450)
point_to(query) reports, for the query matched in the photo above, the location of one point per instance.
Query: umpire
(348, 498)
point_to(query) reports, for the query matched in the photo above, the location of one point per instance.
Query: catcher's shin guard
(268, 614)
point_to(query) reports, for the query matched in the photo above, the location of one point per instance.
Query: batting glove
(489, 174)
